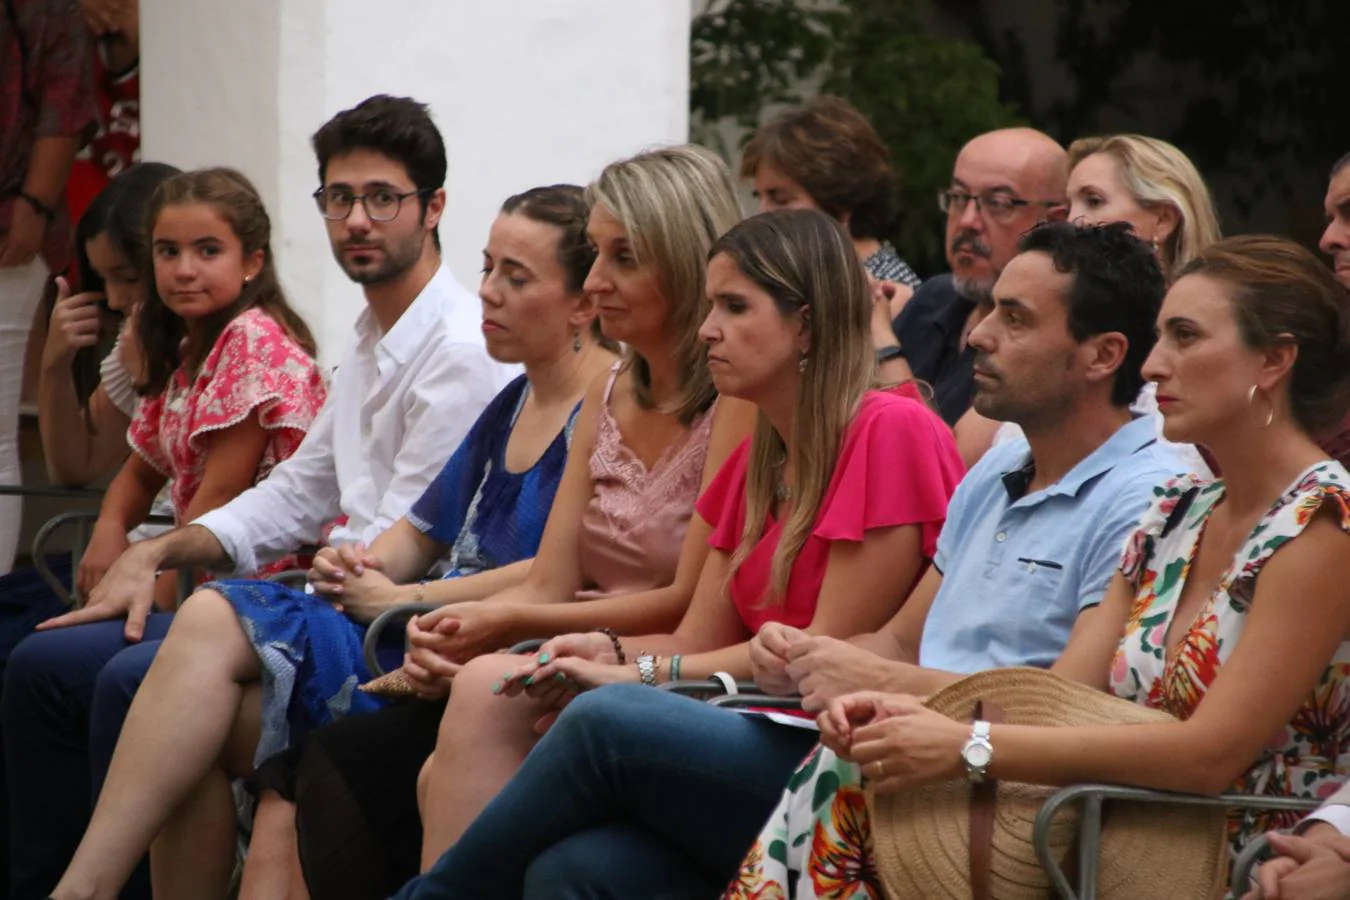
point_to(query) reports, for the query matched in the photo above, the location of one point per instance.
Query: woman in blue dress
(478, 525)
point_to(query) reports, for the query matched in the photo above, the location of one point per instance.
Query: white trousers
(20, 292)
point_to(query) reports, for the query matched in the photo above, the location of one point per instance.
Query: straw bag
(923, 837)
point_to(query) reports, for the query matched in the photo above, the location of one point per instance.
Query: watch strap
(983, 813)
(39, 207)
(886, 354)
(646, 666)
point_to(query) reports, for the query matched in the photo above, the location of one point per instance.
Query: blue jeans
(65, 695)
(632, 793)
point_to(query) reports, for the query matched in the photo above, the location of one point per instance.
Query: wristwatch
(886, 354)
(646, 666)
(978, 752)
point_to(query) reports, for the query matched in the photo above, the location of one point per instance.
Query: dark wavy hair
(161, 331)
(835, 154)
(397, 127)
(119, 213)
(1118, 286)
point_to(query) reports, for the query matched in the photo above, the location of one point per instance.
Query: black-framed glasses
(997, 207)
(381, 204)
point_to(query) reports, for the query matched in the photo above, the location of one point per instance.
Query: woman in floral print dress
(1253, 361)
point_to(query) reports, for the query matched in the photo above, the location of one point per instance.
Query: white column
(526, 92)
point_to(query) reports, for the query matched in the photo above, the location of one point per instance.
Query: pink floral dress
(1308, 757)
(253, 366)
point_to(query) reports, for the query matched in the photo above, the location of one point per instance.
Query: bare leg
(483, 739)
(272, 870)
(175, 731)
(194, 854)
(423, 779)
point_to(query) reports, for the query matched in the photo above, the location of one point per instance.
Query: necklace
(782, 492)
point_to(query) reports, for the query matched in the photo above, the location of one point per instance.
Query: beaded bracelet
(614, 639)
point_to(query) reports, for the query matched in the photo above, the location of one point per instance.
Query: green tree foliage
(926, 95)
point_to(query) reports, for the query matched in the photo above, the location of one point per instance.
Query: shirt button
(1031, 567)
(1001, 536)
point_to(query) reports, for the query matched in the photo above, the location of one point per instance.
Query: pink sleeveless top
(634, 524)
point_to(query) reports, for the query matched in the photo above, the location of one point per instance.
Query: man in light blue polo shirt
(1035, 530)
(649, 794)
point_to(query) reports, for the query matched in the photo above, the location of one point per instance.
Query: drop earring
(801, 363)
(576, 340)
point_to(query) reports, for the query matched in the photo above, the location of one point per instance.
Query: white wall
(526, 92)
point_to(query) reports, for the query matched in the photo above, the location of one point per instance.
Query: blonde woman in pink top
(618, 550)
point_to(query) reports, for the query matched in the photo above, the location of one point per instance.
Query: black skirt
(354, 786)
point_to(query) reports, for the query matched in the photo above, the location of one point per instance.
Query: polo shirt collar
(1128, 440)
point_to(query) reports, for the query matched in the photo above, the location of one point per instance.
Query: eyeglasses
(381, 205)
(996, 207)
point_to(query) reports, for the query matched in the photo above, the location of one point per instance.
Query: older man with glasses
(1004, 182)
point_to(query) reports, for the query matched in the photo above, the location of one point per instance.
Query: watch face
(978, 755)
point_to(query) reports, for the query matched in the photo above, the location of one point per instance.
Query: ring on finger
(881, 769)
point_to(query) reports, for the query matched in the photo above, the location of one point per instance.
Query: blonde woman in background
(1156, 188)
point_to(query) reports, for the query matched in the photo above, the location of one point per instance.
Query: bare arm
(897, 645)
(128, 586)
(77, 452)
(129, 496)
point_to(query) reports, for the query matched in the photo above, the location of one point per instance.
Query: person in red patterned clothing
(116, 146)
(47, 112)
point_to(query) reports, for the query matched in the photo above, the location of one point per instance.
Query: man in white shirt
(1313, 863)
(404, 394)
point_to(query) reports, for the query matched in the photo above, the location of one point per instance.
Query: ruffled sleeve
(1167, 503)
(723, 503)
(899, 466)
(115, 378)
(255, 365)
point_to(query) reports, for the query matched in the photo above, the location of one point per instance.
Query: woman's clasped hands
(897, 741)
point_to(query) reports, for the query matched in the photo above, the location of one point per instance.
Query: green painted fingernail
(529, 681)
(497, 688)
(544, 658)
(558, 676)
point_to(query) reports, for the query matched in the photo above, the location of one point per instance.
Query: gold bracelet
(420, 594)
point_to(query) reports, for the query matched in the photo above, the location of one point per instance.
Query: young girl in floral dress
(230, 383)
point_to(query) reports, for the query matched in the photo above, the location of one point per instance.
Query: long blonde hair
(807, 263)
(1156, 172)
(673, 202)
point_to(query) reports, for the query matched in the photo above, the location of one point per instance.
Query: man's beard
(976, 290)
(398, 259)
